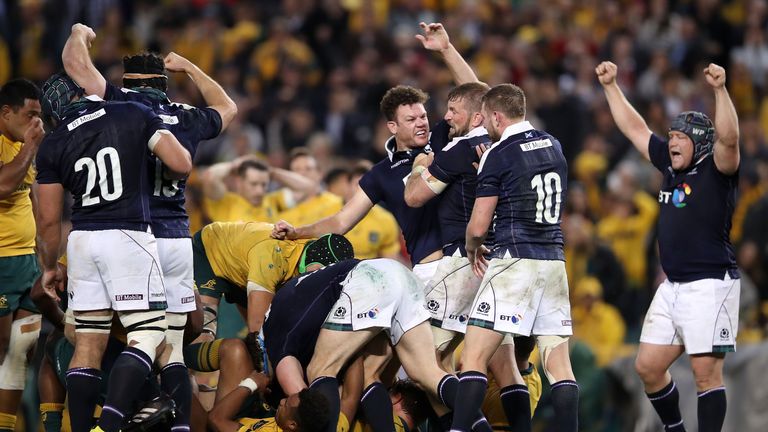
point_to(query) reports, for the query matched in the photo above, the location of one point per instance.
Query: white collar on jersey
(515, 129)
(94, 98)
(478, 131)
(391, 147)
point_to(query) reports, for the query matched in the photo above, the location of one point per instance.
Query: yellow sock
(48, 407)
(7, 422)
(51, 414)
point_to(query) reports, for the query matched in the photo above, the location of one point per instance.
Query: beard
(457, 131)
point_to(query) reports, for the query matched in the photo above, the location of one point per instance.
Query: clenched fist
(606, 73)
(715, 75)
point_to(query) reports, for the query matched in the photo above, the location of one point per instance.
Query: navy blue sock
(516, 401)
(86, 384)
(565, 401)
(665, 402)
(447, 389)
(472, 386)
(378, 408)
(174, 379)
(712, 405)
(132, 366)
(329, 387)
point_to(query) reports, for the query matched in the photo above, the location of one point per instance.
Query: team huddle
(479, 198)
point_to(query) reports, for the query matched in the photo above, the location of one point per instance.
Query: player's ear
(477, 120)
(392, 126)
(291, 425)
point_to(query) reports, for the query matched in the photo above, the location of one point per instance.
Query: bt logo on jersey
(678, 195)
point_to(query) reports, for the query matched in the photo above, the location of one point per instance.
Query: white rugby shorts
(523, 297)
(114, 269)
(426, 271)
(702, 315)
(450, 293)
(178, 275)
(379, 293)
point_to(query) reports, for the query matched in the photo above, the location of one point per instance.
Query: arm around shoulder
(174, 156)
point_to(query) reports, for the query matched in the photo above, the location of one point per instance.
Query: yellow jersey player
(250, 201)
(315, 205)
(21, 131)
(241, 261)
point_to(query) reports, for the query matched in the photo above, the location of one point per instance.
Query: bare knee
(650, 373)
(233, 351)
(707, 371)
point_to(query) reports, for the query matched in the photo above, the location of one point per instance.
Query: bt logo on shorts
(340, 312)
(516, 318)
(483, 308)
(370, 314)
(724, 334)
(460, 318)
(433, 305)
(678, 195)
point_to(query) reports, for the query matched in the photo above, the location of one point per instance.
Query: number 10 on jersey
(549, 189)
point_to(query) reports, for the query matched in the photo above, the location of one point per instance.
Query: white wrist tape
(250, 384)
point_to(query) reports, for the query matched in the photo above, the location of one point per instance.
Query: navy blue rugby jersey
(99, 153)
(695, 218)
(385, 182)
(299, 310)
(190, 125)
(526, 169)
(453, 165)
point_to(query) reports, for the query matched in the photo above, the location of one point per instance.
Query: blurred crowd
(308, 75)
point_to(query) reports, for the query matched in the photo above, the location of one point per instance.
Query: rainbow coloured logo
(678, 195)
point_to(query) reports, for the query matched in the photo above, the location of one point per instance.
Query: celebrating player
(696, 309)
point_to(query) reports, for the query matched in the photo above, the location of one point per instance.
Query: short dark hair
(471, 94)
(400, 95)
(335, 174)
(299, 152)
(251, 164)
(507, 99)
(312, 414)
(145, 63)
(414, 399)
(16, 91)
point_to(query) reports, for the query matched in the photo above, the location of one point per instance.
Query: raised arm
(77, 61)
(726, 152)
(626, 117)
(214, 187)
(435, 38)
(340, 223)
(294, 181)
(212, 92)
